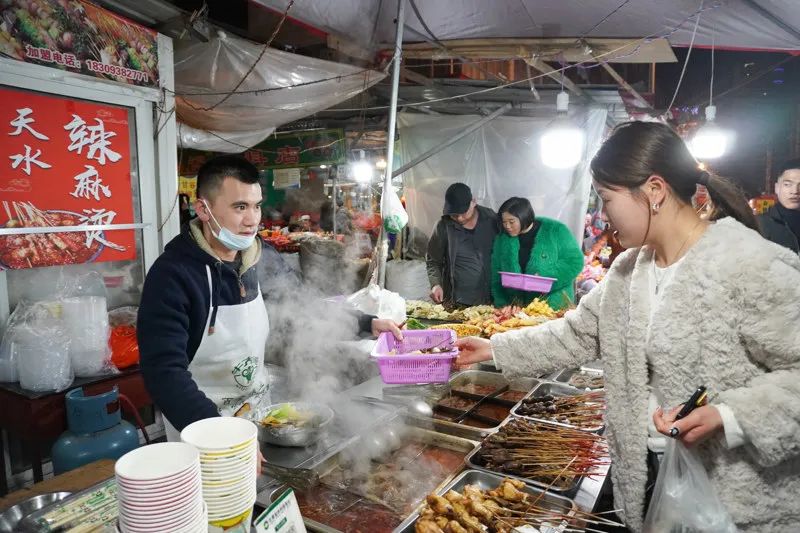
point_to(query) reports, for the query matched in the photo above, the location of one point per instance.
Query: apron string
(214, 299)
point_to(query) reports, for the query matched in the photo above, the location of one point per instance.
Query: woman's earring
(655, 208)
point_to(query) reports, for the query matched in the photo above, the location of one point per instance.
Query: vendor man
(781, 223)
(202, 324)
(460, 250)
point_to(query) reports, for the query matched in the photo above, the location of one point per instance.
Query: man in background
(781, 223)
(460, 250)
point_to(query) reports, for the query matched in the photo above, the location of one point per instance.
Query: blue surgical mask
(230, 240)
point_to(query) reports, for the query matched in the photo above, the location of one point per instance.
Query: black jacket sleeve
(163, 333)
(436, 255)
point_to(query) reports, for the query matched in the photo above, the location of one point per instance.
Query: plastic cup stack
(228, 450)
(159, 489)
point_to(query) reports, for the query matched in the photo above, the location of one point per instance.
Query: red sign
(63, 163)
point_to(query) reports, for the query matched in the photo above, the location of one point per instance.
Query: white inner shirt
(659, 279)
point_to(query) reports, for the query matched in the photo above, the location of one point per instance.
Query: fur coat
(729, 320)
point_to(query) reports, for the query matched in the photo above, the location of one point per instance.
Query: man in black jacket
(202, 324)
(781, 223)
(460, 250)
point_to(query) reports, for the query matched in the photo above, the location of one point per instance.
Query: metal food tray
(477, 377)
(327, 466)
(554, 389)
(472, 376)
(471, 462)
(488, 481)
(565, 375)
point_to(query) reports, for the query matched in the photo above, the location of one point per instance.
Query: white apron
(229, 364)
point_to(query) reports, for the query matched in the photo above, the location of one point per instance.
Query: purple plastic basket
(428, 368)
(526, 282)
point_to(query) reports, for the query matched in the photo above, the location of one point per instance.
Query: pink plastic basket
(428, 368)
(526, 282)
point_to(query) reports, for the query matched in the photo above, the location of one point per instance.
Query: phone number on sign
(105, 68)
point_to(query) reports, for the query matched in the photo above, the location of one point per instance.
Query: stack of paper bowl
(159, 489)
(228, 449)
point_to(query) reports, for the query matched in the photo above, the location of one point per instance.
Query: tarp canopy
(498, 161)
(734, 24)
(205, 72)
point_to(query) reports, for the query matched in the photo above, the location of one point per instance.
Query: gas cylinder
(96, 431)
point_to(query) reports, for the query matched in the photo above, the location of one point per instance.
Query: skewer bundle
(499, 510)
(542, 452)
(584, 410)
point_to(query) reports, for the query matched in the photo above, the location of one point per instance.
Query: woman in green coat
(530, 245)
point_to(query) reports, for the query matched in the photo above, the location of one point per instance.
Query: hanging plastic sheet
(498, 161)
(206, 72)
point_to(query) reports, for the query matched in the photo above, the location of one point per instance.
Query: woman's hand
(472, 350)
(379, 325)
(697, 426)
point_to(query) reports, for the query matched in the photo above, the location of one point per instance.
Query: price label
(283, 516)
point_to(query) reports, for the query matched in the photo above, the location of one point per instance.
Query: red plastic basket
(415, 368)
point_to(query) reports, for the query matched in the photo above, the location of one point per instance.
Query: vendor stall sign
(78, 36)
(286, 178)
(63, 163)
(299, 150)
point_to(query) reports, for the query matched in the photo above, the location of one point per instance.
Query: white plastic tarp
(731, 23)
(205, 72)
(498, 161)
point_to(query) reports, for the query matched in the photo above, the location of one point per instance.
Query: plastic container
(416, 368)
(526, 282)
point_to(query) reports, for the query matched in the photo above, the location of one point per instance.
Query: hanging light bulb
(710, 141)
(380, 164)
(362, 170)
(561, 146)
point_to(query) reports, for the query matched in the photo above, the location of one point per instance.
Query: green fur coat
(555, 254)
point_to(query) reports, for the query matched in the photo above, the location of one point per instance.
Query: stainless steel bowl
(295, 436)
(12, 516)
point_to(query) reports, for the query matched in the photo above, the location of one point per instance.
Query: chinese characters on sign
(63, 163)
(78, 36)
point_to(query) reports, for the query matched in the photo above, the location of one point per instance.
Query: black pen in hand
(697, 399)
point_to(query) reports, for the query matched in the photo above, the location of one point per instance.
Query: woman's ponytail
(728, 199)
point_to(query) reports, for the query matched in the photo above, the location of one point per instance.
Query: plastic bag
(37, 345)
(684, 501)
(85, 315)
(373, 300)
(409, 279)
(396, 218)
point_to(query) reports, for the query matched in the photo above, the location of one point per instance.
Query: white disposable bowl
(219, 434)
(155, 486)
(231, 502)
(138, 505)
(199, 525)
(233, 467)
(227, 490)
(187, 509)
(157, 461)
(238, 453)
(234, 512)
(228, 462)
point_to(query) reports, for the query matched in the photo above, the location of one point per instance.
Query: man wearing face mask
(203, 325)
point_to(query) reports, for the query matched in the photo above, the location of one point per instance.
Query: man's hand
(379, 325)
(696, 427)
(437, 294)
(472, 350)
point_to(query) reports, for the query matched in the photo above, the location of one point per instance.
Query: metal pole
(387, 180)
(460, 135)
(333, 195)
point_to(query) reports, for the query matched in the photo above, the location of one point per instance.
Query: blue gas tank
(96, 431)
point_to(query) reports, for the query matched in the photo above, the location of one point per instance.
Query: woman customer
(539, 246)
(692, 302)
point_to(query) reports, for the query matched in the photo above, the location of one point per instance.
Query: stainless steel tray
(472, 461)
(554, 389)
(564, 376)
(477, 377)
(326, 467)
(474, 376)
(488, 481)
